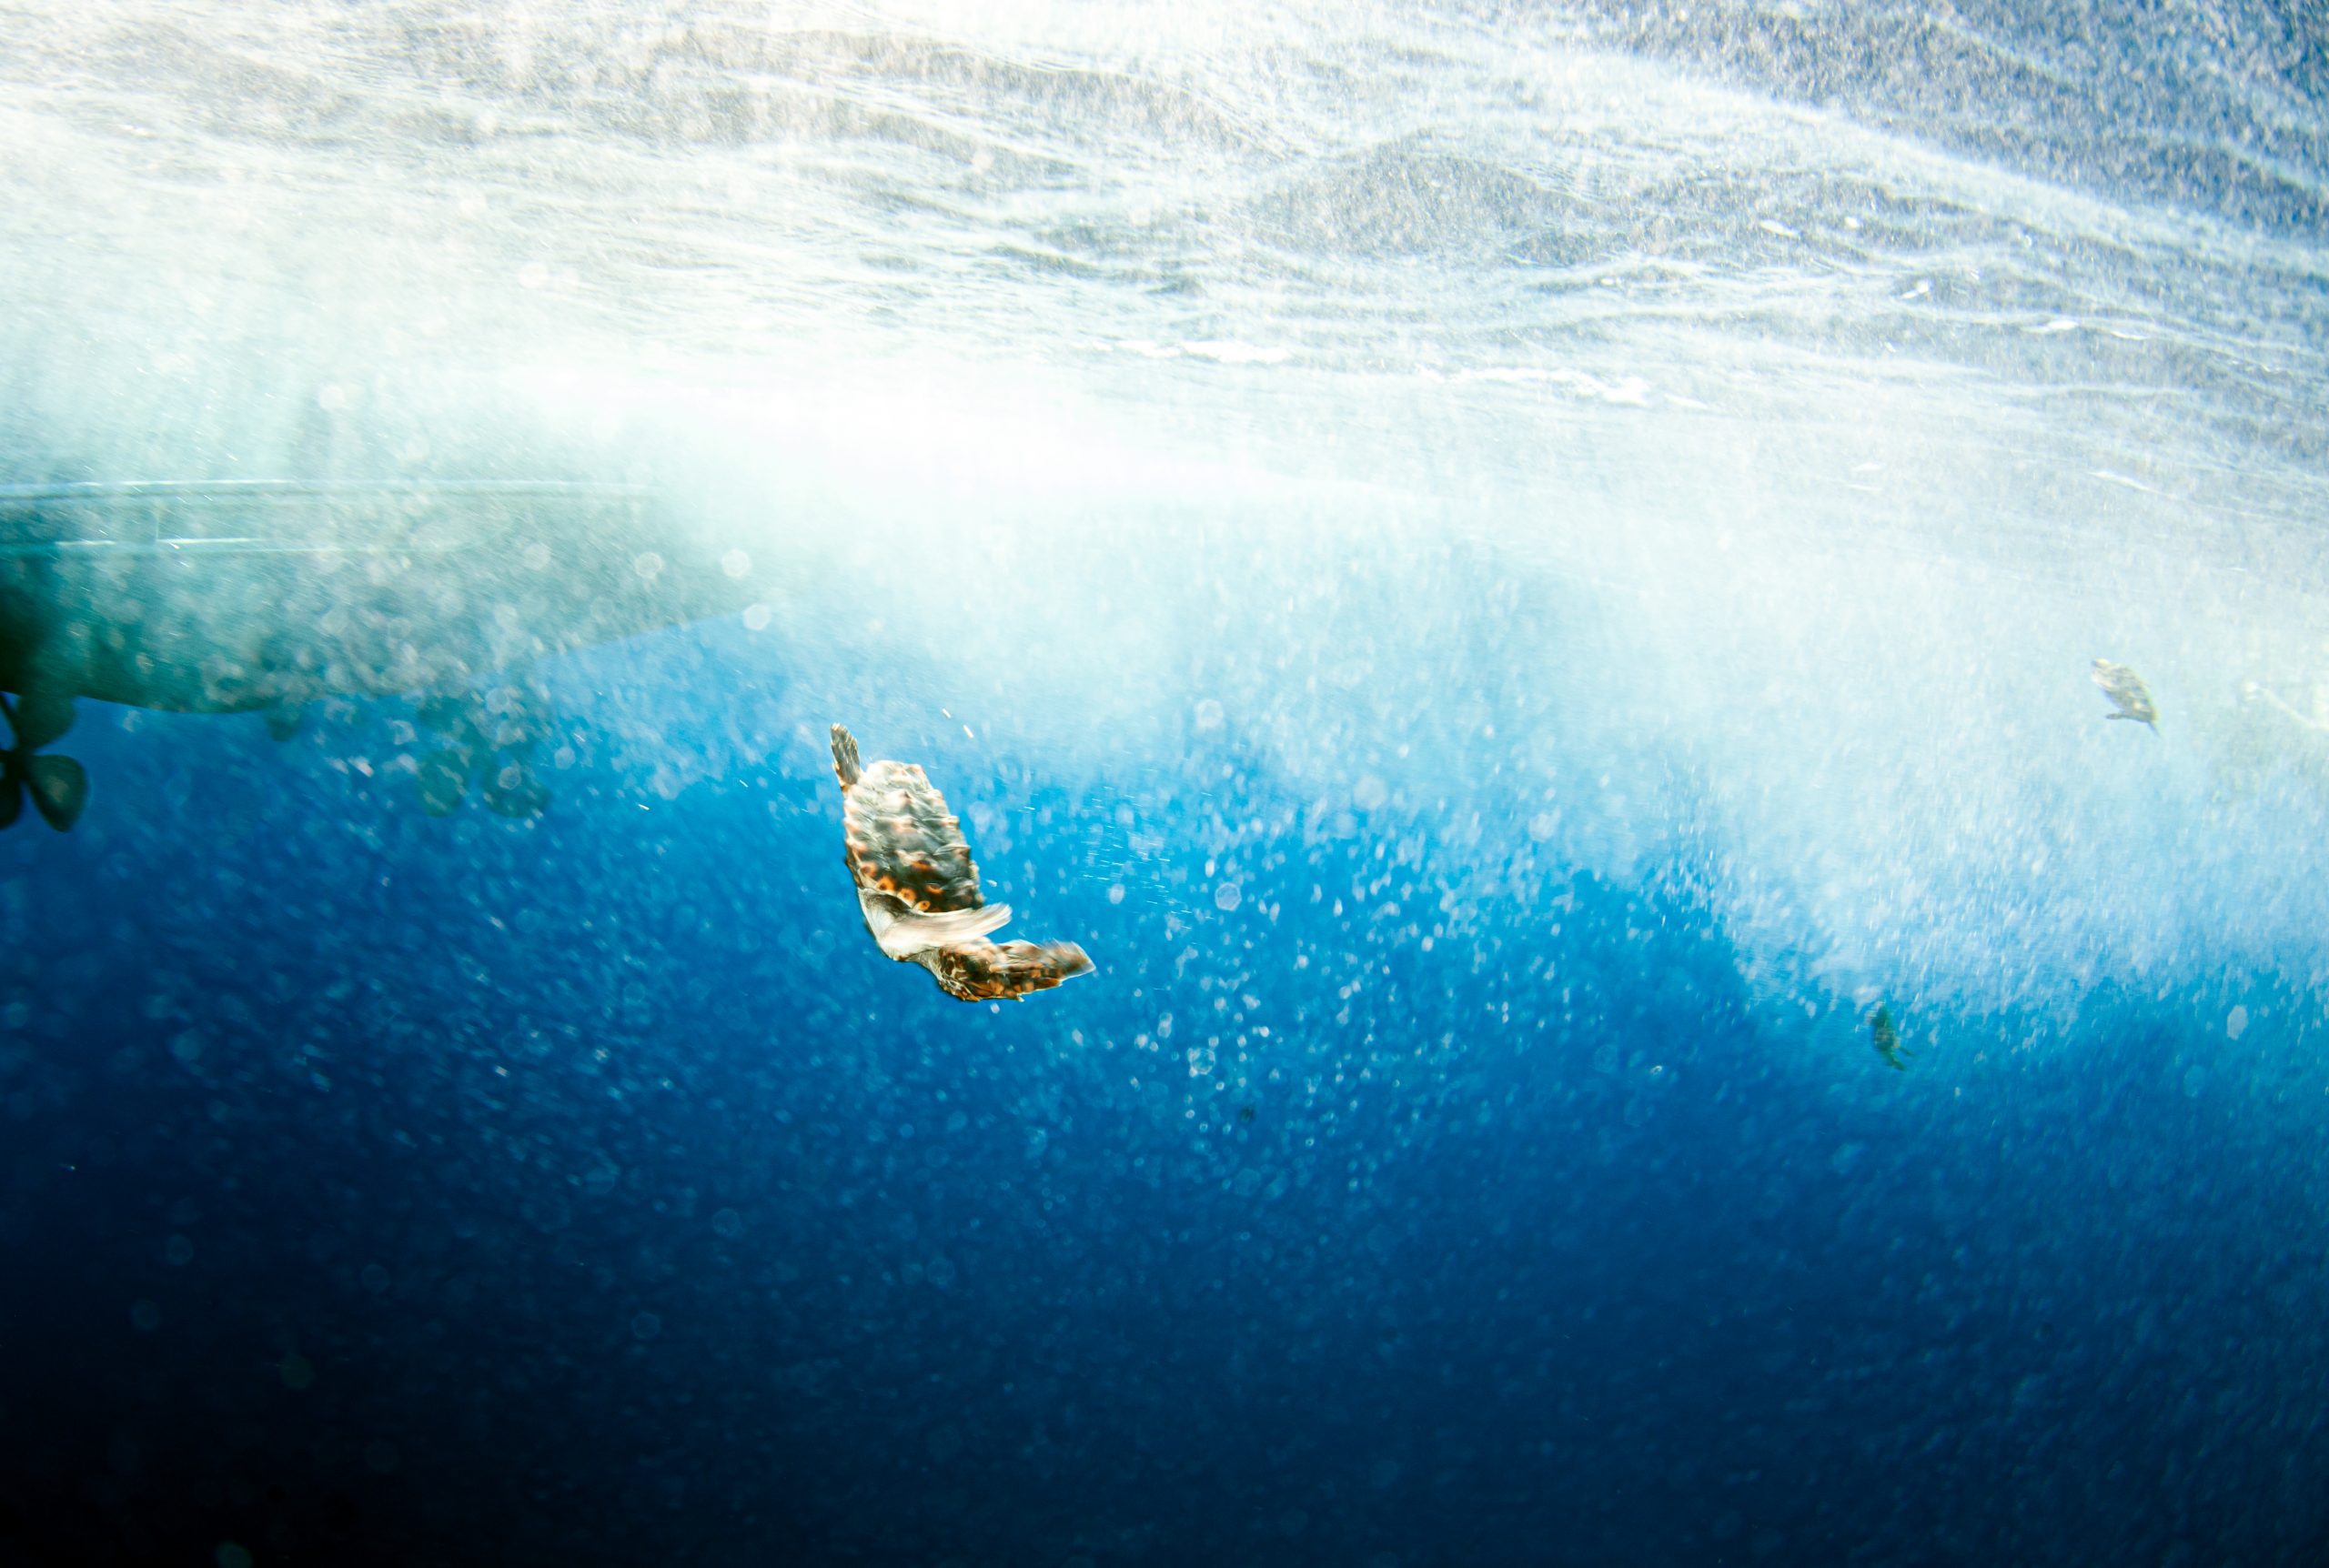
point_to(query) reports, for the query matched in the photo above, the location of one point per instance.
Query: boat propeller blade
(59, 787)
(40, 720)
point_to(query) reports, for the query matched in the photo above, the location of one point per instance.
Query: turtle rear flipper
(846, 767)
(990, 971)
(906, 932)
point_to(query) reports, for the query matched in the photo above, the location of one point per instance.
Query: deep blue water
(1509, 573)
(390, 1189)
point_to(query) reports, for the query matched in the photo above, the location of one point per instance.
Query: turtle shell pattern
(899, 838)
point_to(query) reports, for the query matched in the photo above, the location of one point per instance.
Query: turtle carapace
(2127, 693)
(919, 888)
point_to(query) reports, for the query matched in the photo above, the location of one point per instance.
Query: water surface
(1509, 575)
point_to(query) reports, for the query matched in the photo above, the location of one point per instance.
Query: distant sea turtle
(1886, 1036)
(920, 891)
(2125, 690)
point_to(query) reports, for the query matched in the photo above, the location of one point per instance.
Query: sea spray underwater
(1517, 580)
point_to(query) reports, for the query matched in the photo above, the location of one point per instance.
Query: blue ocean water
(1510, 575)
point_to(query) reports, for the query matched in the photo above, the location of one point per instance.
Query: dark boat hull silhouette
(237, 595)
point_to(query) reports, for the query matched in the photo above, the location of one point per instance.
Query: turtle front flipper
(845, 764)
(990, 971)
(905, 932)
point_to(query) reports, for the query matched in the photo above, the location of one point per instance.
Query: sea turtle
(1885, 1035)
(2125, 690)
(920, 891)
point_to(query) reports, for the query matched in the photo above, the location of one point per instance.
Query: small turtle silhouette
(1885, 1035)
(2125, 690)
(919, 889)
